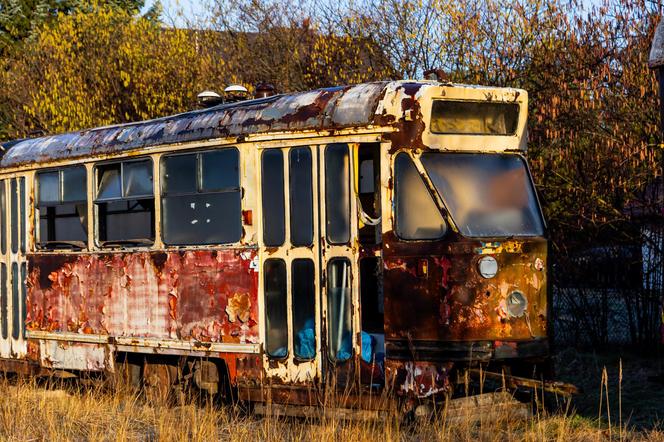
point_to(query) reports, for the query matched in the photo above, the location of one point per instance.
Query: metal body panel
(205, 296)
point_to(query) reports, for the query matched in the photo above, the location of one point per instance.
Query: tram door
(13, 222)
(340, 283)
(289, 256)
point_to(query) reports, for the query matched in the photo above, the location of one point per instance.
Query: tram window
(220, 169)
(125, 203)
(417, 216)
(339, 309)
(337, 193)
(24, 218)
(301, 197)
(367, 176)
(16, 314)
(3, 218)
(62, 208)
(4, 311)
(13, 198)
(303, 289)
(276, 318)
(272, 188)
(179, 174)
(202, 200)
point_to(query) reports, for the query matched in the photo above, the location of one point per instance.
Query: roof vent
(208, 99)
(435, 75)
(264, 90)
(235, 92)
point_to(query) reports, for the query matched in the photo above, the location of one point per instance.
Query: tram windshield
(487, 195)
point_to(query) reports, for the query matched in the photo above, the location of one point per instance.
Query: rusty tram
(379, 237)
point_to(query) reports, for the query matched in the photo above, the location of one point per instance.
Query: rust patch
(184, 296)
(455, 303)
(239, 307)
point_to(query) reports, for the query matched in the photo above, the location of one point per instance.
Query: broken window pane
(337, 193)
(178, 174)
(193, 216)
(301, 197)
(137, 178)
(276, 318)
(49, 187)
(304, 298)
(339, 309)
(110, 184)
(221, 169)
(127, 221)
(274, 229)
(417, 216)
(63, 222)
(74, 184)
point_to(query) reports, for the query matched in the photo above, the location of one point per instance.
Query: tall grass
(38, 412)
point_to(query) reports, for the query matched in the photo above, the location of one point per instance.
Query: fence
(610, 295)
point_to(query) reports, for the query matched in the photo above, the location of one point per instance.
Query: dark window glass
(371, 295)
(125, 205)
(205, 215)
(4, 311)
(221, 169)
(474, 118)
(16, 314)
(304, 310)
(301, 197)
(274, 229)
(367, 176)
(337, 193)
(178, 174)
(24, 219)
(23, 297)
(339, 326)
(202, 219)
(63, 223)
(3, 218)
(417, 216)
(276, 318)
(14, 215)
(74, 184)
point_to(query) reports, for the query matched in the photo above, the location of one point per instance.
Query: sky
(180, 12)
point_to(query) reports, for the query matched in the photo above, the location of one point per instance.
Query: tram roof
(322, 109)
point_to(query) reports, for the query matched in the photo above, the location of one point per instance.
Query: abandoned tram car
(384, 235)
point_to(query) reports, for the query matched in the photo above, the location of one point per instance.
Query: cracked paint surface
(170, 295)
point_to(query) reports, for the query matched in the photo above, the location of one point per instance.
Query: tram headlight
(488, 267)
(516, 304)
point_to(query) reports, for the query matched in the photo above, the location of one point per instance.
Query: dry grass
(39, 412)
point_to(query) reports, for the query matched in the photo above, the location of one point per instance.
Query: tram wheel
(158, 381)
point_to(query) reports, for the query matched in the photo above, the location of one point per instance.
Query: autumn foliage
(594, 137)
